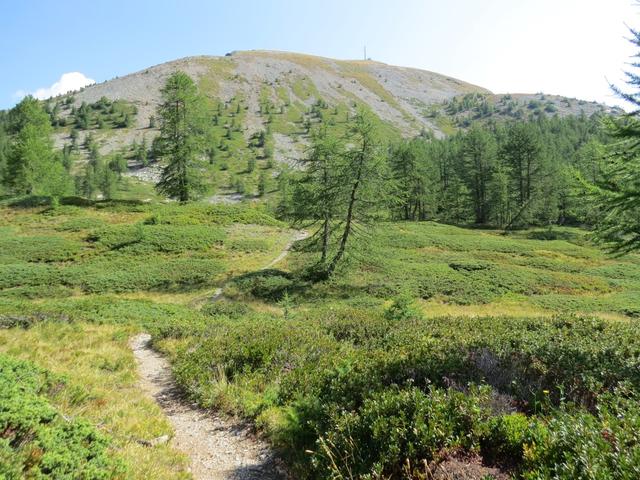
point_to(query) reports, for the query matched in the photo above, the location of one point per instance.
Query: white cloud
(68, 82)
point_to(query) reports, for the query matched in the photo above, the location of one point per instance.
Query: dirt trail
(219, 449)
(217, 294)
(301, 235)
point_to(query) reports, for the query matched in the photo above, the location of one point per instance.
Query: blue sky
(568, 47)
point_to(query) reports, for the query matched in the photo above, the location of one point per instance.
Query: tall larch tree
(478, 158)
(320, 191)
(364, 173)
(181, 140)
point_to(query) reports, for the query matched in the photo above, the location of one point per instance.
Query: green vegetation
(180, 139)
(101, 421)
(99, 115)
(330, 384)
(341, 187)
(506, 175)
(32, 167)
(617, 191)
(391, 340)
(415, 334)
(37, 440)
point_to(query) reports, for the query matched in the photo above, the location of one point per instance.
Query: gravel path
(219, 449)
(301, 235)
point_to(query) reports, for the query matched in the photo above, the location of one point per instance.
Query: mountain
(278, 89)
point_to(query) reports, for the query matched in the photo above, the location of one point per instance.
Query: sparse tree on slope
(363, 172)
(317, 196)
(180, 141)
(33, 168)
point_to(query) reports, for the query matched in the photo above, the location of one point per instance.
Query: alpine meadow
(272, 265)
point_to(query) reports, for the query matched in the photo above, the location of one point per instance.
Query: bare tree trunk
(348, 224)
(325, 238)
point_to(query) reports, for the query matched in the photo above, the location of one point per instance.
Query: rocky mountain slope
(282, 92)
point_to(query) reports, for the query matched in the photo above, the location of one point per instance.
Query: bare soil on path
(219, 448)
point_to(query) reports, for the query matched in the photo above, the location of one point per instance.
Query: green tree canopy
(618, 191)
(181, 139)
(32, 165)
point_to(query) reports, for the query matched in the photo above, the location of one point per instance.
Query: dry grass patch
(101, 372)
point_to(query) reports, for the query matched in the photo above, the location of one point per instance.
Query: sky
(566, 47)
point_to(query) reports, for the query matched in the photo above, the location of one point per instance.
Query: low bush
(79, 224)
(506, 439)
(394, 428)
(117, 273)
(138, 239)
(29, 275)
(354, 383)
(580, 445)
(226, 309)
(203, 214)
(40, 248)
(250, 245)
(36, 441)
(268, 285)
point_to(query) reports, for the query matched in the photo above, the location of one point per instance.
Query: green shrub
(157, 238)
(37, 441)
(119, 273)
(29, 275)
(577, 444)
(403, 308)
(35, 292)
(79, 224)
(226, 309)
(250, 245)
(507, 438)
(395, 426)
(202, 214)
(268, 284)
(40, 248)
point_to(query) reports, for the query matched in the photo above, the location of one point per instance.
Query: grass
(102, 388)
(485, 272)
(217, 69)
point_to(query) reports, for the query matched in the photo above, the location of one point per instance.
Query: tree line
(545, 171)
(504, 175)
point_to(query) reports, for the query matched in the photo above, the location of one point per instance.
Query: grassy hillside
(261, 107)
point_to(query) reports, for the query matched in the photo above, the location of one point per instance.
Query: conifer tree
(180, 140)
(32, 166)
(522, 152)
(363, 173)
(262, 184)
(478, 157)
(618, 192)
(320, 191)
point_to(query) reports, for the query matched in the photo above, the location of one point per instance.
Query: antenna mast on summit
(365, 52)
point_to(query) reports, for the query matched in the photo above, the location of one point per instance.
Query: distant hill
(277, 91)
